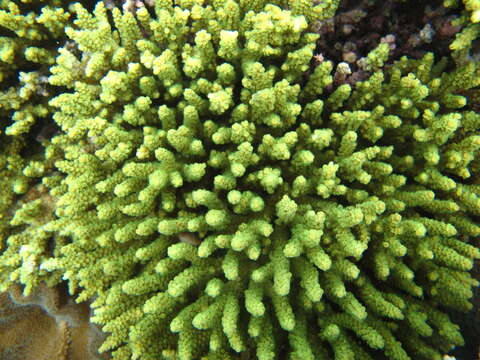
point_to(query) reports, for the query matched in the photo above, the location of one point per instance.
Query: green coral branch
(218, 197)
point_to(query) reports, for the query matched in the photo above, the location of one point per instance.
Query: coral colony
(217, 190)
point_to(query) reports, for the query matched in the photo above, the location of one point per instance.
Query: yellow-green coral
(218, 198)
(30, 33)
(470, 22)
(25, 29)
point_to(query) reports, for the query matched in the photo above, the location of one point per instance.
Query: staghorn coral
(43, 327)
(219, 198)
(28, 244)
(30, 33)
(466, 43)
(214, 192)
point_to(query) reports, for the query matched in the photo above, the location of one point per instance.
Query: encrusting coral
(220, 199)
(29, 333)
(42, 326)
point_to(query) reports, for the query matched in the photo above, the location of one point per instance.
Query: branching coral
(30, 32)
(295, 201)
(219, 198)
(28, 43)
(470, 21)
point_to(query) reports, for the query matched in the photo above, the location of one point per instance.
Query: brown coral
(47, 325)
